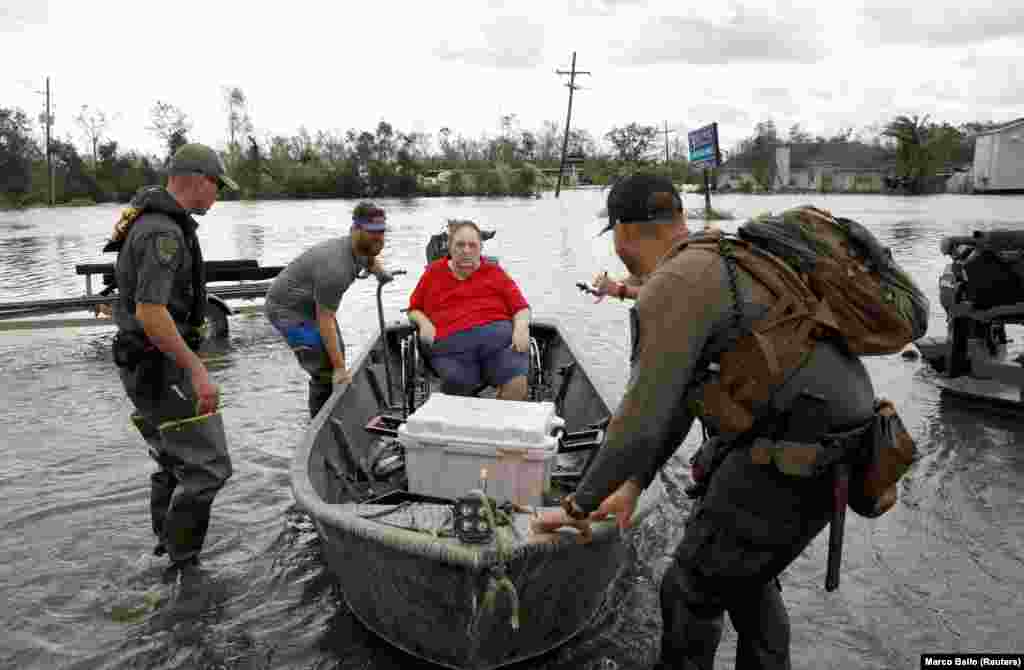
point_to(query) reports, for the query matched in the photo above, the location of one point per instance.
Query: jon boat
(403, 573)
(982, 292)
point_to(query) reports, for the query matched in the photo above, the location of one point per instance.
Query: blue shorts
(482, 355)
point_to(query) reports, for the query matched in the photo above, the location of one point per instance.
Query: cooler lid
(462, 418)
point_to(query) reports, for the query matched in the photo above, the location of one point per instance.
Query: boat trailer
(248, 281)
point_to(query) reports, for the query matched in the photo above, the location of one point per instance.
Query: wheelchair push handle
(386, 276)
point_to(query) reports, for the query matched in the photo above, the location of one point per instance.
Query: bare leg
(513, 389)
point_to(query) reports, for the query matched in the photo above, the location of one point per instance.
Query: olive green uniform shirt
(686, 310)
(154, 266)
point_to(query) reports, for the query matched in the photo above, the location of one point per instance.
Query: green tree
(911, 135)
(448, 150)
(239, 123)
(72, 181)
(762, 148)
(632, 142)
(549, 143)
(527, 145)
(94, 124)
(385, 141)
(17, 152)
(797, 135)
(170, 124)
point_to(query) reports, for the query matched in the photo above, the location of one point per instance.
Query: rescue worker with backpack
(757, 336)
(160, 315)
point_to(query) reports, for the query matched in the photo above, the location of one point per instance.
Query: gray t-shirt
(154, 266)
(318, 276)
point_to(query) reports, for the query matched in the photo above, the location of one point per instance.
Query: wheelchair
(419, 377)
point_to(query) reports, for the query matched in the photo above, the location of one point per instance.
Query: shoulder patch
(166, 247)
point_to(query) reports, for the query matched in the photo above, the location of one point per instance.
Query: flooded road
(942, 572)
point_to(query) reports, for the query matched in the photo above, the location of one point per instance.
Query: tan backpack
(830, 277)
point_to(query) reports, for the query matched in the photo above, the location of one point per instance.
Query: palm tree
(912, 155)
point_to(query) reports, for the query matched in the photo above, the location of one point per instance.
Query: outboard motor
(987, 271)
(990, 265)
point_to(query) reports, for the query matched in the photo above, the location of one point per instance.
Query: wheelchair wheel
(535, 373)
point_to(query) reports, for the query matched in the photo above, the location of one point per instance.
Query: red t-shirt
(452, 305)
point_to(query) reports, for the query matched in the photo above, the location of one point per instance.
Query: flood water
(942, 572)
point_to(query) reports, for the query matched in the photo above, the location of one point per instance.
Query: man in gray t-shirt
(303, 300)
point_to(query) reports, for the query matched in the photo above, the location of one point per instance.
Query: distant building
(999, 159)
(849, 167)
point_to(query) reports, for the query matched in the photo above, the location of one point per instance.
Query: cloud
(704, 113)
(935, 25)
(988, 76)
(17, 14)
(774, 93)
(778, 100)
(509, 42)
(599, 7)
(747, 36)
(943, 90)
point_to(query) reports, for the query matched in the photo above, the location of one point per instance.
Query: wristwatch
(570, 508)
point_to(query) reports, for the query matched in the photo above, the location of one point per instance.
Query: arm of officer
(159, 257)
(676, 312)
(164, 335)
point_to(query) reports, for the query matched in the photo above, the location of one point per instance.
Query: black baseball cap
(641, 199)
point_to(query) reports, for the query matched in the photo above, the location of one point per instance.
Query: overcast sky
(423, 65)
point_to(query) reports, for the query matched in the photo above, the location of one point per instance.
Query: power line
(568, 118)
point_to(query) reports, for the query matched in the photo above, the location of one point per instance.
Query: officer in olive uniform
(159, 273)
(752, 521)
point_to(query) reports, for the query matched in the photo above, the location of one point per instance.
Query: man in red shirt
(473, 320)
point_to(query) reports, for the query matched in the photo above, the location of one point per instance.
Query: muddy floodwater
(942, 572)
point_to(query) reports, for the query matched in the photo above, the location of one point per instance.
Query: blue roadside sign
(704, 147)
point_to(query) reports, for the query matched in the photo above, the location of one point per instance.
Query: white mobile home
(999, 159)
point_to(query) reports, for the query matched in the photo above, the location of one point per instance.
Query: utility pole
(49, 122)
(568, 118)
(667, 131)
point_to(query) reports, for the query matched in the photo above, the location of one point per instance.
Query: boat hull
(436, 598)
(437, 611)
(995, 380)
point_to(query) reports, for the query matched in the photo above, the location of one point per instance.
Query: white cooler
(449, 439)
